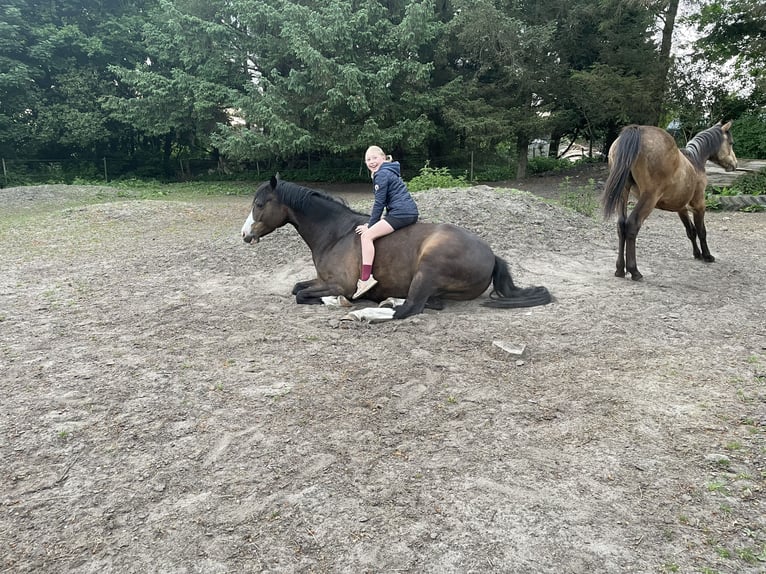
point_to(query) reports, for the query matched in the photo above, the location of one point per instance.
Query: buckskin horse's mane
(703, 145)
(307, 200)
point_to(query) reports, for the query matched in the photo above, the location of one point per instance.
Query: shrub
(543, 164)
(753, 183)
(749, 133)
(434, 177)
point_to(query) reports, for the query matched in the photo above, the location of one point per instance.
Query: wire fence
(309, 167)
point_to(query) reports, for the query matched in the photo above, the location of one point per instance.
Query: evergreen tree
(330, 75)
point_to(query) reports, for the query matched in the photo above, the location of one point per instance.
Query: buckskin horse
(645, 161)
(423, 263)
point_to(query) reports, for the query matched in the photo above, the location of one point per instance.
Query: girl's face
(374, 159)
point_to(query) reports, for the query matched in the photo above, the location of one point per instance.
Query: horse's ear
(274, 181)
(726, 127)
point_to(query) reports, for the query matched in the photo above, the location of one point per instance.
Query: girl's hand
(361, 229)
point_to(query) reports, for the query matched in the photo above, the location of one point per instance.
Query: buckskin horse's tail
(506, 295)
(622, 159)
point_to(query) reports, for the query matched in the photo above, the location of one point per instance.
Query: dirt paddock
(167, 407)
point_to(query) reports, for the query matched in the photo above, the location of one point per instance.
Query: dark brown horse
(645, 161)
(423, 263)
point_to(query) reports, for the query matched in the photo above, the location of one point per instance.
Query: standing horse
(423, 263)
(645, 161)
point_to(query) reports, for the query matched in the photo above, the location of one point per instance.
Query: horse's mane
(703, 145)
(307, 200)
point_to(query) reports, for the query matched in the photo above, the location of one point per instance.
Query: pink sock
(366, 272)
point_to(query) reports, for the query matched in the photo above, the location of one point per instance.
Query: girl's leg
(380, 229)
(368, 237)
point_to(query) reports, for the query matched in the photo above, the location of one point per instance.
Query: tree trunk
(665, 59)
(522, 147)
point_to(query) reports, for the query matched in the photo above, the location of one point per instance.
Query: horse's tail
(622, 159)
(506, 295)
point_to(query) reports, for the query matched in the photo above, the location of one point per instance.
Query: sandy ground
(167, 407)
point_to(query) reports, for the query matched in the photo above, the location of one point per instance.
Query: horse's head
(267, 213)
(725, 155)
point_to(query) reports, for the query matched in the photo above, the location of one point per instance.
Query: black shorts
(399, 222)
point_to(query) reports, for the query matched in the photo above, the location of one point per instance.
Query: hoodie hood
(393, 167)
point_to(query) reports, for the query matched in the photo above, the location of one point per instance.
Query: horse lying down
(423, 263)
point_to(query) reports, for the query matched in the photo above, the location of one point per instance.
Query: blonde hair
(379, 151)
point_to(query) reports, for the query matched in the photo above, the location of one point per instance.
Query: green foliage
(543, 164)
(495, 173)
(162, 83)
(712, 203)
(331, 76)
(435, 177)
(733, 29)
(749, 132)
(753, 183)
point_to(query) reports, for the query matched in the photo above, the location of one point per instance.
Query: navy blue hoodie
(391, 193)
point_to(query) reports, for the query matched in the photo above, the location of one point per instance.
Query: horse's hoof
(619, 273)
(636, 276)
(708, 258)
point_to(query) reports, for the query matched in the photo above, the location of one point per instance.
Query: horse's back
(433, 238)
(655, 160)
(458, 262)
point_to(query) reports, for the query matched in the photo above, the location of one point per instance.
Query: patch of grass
(753, 208)
(717, 485)
(752, 555)
(143, 189)
(723, 552)
(582, 199)
(723, 463)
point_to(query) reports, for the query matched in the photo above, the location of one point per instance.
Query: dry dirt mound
(168, 408)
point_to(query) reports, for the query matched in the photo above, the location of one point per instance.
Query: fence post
(106, 175)
(471, 178)
(5, 174)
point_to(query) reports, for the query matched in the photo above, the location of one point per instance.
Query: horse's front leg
(691, 232)
(699, 223)
(301, 285)
(312, 294)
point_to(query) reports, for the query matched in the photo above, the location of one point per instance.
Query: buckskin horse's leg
(641, 211)
(620, 272)
(691, 232)
(699, 223)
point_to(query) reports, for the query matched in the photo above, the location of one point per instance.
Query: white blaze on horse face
(248, 224)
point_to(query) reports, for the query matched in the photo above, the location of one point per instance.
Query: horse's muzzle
(249, 238)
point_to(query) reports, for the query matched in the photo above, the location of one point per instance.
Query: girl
(391, 194)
